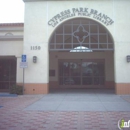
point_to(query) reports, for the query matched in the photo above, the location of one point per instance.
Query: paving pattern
(14, 116)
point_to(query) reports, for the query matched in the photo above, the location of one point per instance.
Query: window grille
(81, 34)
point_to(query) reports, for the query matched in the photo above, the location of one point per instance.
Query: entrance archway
(81, 55)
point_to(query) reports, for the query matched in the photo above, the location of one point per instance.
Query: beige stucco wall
(64, 5)
(37, 32)
(11, 48)
(122, 40)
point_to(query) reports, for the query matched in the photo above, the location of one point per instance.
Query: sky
(11, 11)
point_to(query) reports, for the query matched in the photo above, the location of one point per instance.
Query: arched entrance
(81, 55)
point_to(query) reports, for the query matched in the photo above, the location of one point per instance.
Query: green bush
(16, 89)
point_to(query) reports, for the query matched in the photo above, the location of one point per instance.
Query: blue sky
(11, 11)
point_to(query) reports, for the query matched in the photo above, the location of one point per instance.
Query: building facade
(68, 44)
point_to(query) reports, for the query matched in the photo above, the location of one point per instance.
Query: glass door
(93, 73)
(69, 72)
(81, 73)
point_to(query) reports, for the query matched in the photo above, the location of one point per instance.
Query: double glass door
(81, 73)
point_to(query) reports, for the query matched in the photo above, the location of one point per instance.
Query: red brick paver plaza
(14, 117)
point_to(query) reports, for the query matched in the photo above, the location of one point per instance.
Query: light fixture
(128, 58)
(34, 59)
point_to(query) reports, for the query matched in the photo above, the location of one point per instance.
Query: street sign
(23, 58)
(23, 64)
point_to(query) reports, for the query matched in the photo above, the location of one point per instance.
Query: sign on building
(23, 63)
(23, 58)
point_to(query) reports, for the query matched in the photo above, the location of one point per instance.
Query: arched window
(81, 33)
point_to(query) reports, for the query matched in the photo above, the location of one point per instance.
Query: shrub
(16, 89)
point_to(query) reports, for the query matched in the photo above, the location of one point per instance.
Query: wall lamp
(128, 58)
(34, 59)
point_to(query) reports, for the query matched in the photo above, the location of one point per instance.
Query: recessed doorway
(81, 55)
(7, 72)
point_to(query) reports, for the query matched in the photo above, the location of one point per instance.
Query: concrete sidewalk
(64, 110)
(81, 100)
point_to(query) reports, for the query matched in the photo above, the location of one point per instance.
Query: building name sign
(80, 12)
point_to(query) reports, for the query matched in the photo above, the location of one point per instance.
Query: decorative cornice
(11, 38)
(33, 0)
(11, 24)
(50, 0)
(69, 0)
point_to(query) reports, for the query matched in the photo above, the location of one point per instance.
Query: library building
(67, 44)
